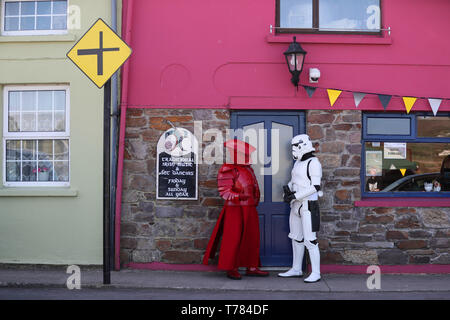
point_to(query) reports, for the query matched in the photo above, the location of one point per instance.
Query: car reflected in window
(415, 182)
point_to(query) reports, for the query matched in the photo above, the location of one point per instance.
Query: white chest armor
(300, 178)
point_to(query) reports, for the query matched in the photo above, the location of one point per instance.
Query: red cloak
(238, 222)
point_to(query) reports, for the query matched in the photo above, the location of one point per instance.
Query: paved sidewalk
(196, 280)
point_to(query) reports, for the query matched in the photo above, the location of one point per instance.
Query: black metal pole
(106, 183)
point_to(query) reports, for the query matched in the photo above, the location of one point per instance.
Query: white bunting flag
(435, 103)
(358, 96)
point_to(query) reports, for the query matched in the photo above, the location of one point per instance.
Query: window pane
(13, 150)
(60, 23)
(44, 7)
(13, 122)
(438, 127)
(62, 171)
(13, 171)
(61, 149)
(389, 126)
(60, 100)
(45, 171)
(29, 150)
(28, 7)
(12, 8)
(29, 171)
(281, 172)
(45, 150)
(60, 121)
(349, 14)
(11, 24)
(14, 101)
(258, 158)
(59, 7)
(28, 122)
(29, 101)
(44, 23)
(27, 23)
(45, 122)
(45, 100)
(406, 167)
(296, 14)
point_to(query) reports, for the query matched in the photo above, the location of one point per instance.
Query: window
(328, 16)
(34, 17)
(36, 136)
(406, 155)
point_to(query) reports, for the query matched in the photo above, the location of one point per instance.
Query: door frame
(267, 236)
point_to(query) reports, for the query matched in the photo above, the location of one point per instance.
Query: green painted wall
(57, 225)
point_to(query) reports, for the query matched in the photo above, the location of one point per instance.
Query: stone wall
(178, 231)
(352, 235)
(172, 231)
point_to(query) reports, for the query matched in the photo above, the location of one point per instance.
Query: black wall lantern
(295, 56)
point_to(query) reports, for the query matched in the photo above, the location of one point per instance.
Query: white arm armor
(306, 192)
(315, 172)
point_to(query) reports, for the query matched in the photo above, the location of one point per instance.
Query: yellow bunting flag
(403, 171)
(333, 95)
(409, 102)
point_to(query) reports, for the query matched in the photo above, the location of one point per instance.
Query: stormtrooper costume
(302, 193)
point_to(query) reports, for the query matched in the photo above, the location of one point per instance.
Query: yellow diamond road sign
(99, 53)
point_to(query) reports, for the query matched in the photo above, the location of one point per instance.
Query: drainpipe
(123, 111)
(114, 138)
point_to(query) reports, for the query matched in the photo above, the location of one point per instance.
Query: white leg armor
(295, 222)
(298, 250)
(302, 235)
(310, 244)
(314, 256)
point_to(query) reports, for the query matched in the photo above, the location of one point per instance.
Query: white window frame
(29, 32)
(34, 135)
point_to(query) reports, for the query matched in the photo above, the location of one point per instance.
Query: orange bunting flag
(333, 95)
(409, 102)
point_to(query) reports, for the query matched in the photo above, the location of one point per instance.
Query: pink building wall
(221, 54)
(215, 54)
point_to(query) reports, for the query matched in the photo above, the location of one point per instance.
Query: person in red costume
(238, 223)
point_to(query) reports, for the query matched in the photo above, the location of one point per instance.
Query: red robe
(238, 223)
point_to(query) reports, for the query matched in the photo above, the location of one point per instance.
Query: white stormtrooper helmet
(301, 145)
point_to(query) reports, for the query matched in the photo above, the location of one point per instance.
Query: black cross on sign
(99, 53)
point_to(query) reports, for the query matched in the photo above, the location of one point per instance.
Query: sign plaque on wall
(177, 165)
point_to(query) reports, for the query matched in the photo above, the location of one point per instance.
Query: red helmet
(240, 151)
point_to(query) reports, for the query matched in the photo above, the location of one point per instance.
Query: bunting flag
(333, 95)
(310, 90)
(403, 171)
(409, 102)
(392, 167)
(358, 96)
(384, 99)
(435, 103)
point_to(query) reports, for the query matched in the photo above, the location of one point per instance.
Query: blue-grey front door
(271, 133)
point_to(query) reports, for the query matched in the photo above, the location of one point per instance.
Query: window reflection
(406, 167)
(436, 127)
(296, 14)
(349, 14)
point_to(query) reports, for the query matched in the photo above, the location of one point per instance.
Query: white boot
(298, 249)
(314, 256)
